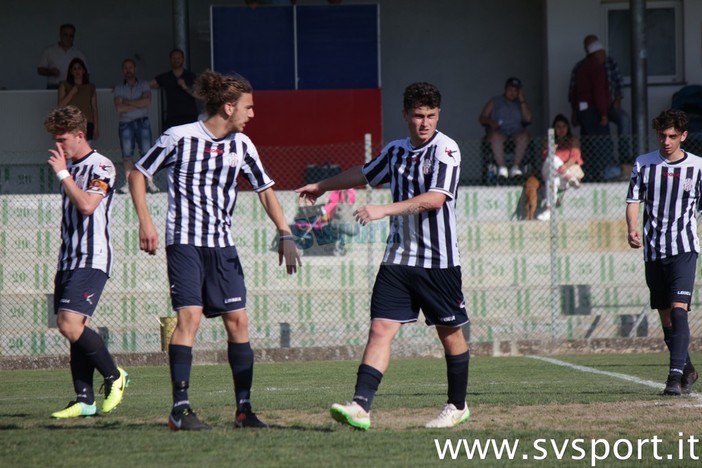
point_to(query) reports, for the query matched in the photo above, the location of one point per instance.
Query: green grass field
(541, 406)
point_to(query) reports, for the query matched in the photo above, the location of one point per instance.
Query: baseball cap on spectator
(512, 81)
(594, 47)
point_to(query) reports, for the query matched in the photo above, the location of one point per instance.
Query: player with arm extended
(421, 265)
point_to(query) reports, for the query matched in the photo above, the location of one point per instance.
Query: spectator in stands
(616, 113)
(77, 90)
(564, 168)
(177, 85)
(55, 59)
(203, 160)
(421, 266)
(132, 101)
(590, 102)
(84, 260)
(668, 183)
(506, 117)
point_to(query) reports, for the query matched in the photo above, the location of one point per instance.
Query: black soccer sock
(457, 377)
(241, 361)
(667, 333)
(82, 370)
(90, 344)
(180, 359)
(680, 340)
(367, 382)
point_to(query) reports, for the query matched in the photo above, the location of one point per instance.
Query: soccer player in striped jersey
(668, 182)
(85, 258)
(421, 266)
(203, 160)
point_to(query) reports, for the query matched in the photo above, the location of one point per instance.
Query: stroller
(318, 235)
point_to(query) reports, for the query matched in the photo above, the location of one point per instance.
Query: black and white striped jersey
(202, 187)
(670, 193)
(429, 239)
(85, 240)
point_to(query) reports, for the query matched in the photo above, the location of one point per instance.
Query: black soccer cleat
(672, 385)
(247, 418)
(687, 381)
(186, 421)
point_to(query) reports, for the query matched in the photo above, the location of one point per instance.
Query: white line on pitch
(616, 375)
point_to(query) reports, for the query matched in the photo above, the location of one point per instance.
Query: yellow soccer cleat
(114, 391)
(75, 409)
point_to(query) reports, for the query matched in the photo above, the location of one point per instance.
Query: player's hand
(288, 250)
(309, 194)
(368, 213)
(634, 239)
(57, 160)
(148, 238)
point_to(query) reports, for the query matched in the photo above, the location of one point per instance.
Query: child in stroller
(320, 229)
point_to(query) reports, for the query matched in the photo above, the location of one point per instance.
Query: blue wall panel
(337, 46)
(256, 43)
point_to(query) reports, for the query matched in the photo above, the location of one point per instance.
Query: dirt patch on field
(592, 420)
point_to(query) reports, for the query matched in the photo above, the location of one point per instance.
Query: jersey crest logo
(687, 185)
(426, 169)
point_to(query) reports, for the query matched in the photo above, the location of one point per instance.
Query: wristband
(286, 238)
(62, 174)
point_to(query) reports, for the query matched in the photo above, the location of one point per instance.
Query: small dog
(531, 196)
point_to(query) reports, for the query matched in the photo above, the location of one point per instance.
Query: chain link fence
(573, 277)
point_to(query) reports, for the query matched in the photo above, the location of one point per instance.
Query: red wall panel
(293, 129)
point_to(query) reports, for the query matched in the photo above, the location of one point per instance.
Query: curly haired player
(85, 259)
(203, 160)
(668, 182)
(421, 267)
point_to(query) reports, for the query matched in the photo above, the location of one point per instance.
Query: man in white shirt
(55, 59)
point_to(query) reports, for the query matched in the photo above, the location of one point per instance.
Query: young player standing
(203, 160)
(85, 259)
(421, 267)
(669, 184)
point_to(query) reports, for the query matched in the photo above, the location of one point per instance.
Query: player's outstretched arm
(424, 202)
(348, 179)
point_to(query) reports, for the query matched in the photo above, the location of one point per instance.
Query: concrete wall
(467, 47)
(568, 22)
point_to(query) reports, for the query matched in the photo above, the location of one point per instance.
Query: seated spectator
(505, 117)
(564, 168)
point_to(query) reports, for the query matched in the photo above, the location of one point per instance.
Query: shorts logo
(65, 301)
(684, 293)
(88, 297)
(229, 300)
(447, 319)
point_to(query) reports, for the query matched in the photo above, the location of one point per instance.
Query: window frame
(677, 7)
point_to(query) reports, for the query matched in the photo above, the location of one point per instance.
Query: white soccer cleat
(450, 416)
